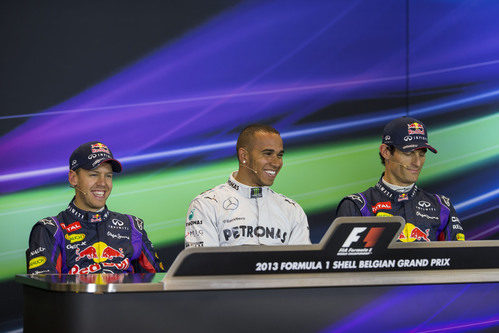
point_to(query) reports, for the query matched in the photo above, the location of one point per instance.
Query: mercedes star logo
(231, 203)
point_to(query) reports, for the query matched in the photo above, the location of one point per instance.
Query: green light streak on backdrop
(316, 177)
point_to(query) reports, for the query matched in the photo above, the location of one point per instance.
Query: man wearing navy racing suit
(429, 217)
(87, 237)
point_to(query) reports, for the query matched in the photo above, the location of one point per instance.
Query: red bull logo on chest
(411, 233)
(99, 252)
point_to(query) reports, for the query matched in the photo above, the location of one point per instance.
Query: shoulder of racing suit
(138, 223)
(360, 201)
(48, 223)
(214, 194)
(445, 201)
(284, 199)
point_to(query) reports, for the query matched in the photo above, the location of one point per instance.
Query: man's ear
(73, 178)
(242, 154)
(385, 152)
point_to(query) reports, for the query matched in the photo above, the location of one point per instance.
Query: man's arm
(300, 234)
(454, 230)
(148, 260)
(347, 208)
(200, 224)
(43, 254)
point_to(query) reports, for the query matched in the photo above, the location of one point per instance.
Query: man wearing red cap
(429, 217)
(87, 237)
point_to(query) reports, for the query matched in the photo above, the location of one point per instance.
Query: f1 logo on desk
(357, 244)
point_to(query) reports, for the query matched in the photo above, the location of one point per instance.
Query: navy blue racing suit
(81, 242)
(428, 217)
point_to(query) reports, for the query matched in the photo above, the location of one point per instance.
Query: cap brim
(115, 165)
(433, 150)
(417, 146)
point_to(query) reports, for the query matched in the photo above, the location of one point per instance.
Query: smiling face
(92, 187)
(261, 161)
(403, 168)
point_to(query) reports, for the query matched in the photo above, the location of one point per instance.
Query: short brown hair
(391, 149)
(244, 139)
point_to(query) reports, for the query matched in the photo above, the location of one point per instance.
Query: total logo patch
(75, 238)
(37, 262)
(72, 227)
(381, 205)
(460, 237)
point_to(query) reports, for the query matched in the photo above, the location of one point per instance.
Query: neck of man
(397, 188)
(80, 206)
(245, 176)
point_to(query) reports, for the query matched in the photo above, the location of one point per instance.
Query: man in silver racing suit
(244, 210)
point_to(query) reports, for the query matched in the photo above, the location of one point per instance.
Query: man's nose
(418, 160)
(101, 180)
(276, 162)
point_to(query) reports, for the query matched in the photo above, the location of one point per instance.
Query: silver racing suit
(236, 214)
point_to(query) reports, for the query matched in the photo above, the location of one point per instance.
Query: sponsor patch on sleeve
(37, 262)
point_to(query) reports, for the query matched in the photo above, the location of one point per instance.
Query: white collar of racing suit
(245, 190)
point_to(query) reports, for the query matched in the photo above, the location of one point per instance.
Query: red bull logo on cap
(415, 128)
(411, 233)
(99, 148)
(99, 252)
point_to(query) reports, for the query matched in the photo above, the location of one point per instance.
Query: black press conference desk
(356, 279)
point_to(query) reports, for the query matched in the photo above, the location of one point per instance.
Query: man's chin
(268, 183)
(97, 206)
